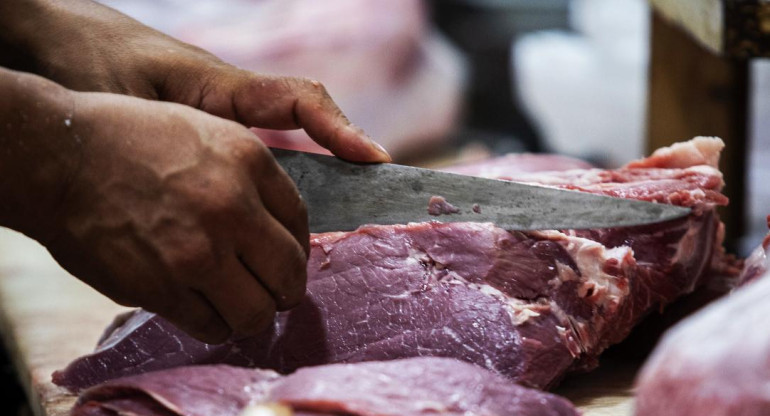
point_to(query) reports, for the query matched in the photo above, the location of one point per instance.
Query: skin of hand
(198, 223)
(157, 204)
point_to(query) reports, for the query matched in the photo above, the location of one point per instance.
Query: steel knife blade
(341, 196)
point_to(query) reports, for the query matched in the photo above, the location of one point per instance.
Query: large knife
(341, 196)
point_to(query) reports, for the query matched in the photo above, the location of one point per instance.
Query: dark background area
(13, 402)
(484, 31)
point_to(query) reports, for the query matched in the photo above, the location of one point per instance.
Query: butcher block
(47, 318)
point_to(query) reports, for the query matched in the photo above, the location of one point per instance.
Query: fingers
(276, 246)
(240, 299)
(277, 260)
(193, 314)
(281, 198)
(290, 103)
(273, 189)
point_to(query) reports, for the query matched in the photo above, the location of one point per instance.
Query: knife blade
(341, 196)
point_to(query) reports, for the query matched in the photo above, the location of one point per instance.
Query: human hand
(86, 46)
(182, 213)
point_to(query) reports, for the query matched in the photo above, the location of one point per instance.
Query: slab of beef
(717, 362)
(409, 387)
(529, 305)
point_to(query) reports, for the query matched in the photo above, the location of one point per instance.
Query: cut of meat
(716, 362)
(529, 305)
(198, 390)
(410, 387)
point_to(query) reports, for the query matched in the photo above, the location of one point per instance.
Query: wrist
(39, 152)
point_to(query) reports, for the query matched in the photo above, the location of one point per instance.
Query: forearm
(38, 151)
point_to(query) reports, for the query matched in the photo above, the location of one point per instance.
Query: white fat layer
(590, 258)
(685, 248)
(519, 310)
(415, 257)
(705, 170)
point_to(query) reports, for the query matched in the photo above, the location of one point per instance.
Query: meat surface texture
(409, 387)
(531, 306)
(716, 362)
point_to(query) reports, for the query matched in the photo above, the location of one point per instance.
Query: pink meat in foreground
(410, 387)
(531, 306)
(717, 362)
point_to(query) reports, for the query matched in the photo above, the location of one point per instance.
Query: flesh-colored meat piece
(713, 363)
(532, 306)
(411, 387)
(440, 206)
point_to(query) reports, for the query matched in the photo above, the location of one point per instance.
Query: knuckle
(227, 195)
(314, 86)
(193, 261)
(247, 149)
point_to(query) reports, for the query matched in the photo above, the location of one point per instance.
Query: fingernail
(382, 151)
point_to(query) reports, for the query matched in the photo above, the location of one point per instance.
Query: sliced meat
(411, 387)
(716, 362)
(194, 391)
(529, 305)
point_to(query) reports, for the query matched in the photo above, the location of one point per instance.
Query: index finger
(289, 103)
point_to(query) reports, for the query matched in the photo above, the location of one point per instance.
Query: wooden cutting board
(48, 318)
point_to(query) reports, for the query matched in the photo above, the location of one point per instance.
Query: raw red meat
(529, 305)
(717, 362)
(410, 387)
(440, 206)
